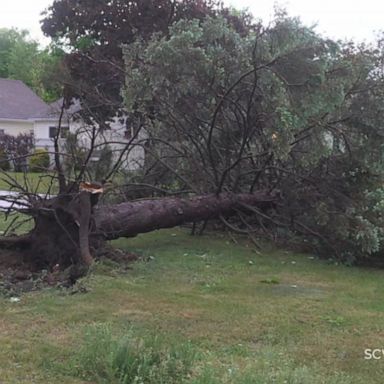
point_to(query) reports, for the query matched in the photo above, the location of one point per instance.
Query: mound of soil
(18, 276)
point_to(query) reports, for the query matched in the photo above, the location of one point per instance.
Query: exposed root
(18, 272)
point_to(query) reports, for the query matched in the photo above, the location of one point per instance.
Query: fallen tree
(69, 231)
(132, 218)
(228, 119)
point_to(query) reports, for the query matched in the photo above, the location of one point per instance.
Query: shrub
(39, 161)
(4, 162)
(17, 148)
(77, 155)
(104, 164)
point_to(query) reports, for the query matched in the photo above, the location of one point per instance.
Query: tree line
(22, 58)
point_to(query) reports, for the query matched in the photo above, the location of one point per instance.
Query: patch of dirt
(19, 279)
(18, 276)
(10, 259)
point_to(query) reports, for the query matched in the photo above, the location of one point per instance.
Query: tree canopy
(280, 108)
(22, 58)
(93, 33)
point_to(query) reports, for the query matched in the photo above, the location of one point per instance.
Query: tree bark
(131, 218)
(69, 230)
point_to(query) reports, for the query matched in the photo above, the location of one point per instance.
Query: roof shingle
(17, 101)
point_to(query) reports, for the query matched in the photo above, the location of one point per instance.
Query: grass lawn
(36, 182)
(273, 317)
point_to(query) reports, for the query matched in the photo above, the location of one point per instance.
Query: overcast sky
(355, 19)
(340, 19)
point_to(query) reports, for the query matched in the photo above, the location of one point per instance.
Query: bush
(4, 162)
(104, 164)
(77, 155)
(39, 161)
(17, 148)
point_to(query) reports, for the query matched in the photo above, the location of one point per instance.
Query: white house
(22, 111)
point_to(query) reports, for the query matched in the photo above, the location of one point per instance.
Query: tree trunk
(130, 219)
(68, 230)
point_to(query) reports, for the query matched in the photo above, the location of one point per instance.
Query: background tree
(93, 33)
(8, 39)
(22, 58)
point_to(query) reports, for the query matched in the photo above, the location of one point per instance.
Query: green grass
(15, 223)
(106, 357)
(35, 182)
(218, 311)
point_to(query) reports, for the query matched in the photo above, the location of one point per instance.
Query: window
(52, 132)
(63, 132)
(2, 133)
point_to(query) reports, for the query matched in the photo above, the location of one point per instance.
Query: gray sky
(23, 14)
(355, 19)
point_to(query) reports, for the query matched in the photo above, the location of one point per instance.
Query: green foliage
(93, 35)
(8, 39)
(39, 161)
(130, 359)
(281, 108)
(21, 58)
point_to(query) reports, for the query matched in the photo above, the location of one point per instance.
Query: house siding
(41, 133)
(23, 112)
(14, 127)
(115, 138)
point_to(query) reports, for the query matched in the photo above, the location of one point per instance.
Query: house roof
(73, 108)
(17, 101)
